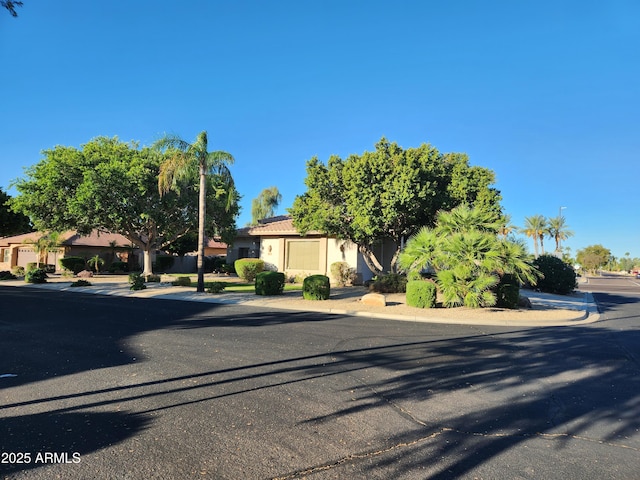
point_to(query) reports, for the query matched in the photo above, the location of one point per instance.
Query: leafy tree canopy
(389, 193)
(11, 223)
(593, 257)
(112, 186)
(265, 205)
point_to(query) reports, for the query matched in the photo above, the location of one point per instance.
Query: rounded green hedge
(421, 294)
(316, 287)
(270, 283)
(559, 277)
(248, 268)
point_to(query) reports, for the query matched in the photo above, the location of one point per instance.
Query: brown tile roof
(275, 226)
(71, 238)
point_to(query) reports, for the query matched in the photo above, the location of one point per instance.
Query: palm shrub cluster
(468, 257)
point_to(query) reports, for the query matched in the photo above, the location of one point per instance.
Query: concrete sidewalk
(548, 310)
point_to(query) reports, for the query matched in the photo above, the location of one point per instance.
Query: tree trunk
(394, 258)
(370, 260)
(147, 260)
(202, 204)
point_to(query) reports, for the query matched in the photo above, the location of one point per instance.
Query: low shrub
(559, 277)
(216, 287)
(342, 273)
(36, 275)
(316, 287)
(118, 266)
(389, 283)
(421, 293)
(18, 271)
(7, 275)
(152, 278)
(213, 264)
(73, 264)
(81, 283)
(269, 283)
(182, 282)
(507, 292)
(136, 281)
(248, 268)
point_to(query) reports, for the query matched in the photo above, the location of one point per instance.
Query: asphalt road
(123, 388)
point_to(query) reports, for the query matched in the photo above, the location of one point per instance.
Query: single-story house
(18, 250)
(276, 241)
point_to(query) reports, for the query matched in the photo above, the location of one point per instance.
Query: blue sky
(546, 93)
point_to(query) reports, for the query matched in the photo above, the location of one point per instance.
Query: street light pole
(559, 239)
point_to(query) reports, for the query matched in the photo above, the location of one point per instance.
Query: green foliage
(468, 256)
(152, 278)
(421, 294)
(95, 263)
(81, 283)
(73, 264)
(264, 206)
(216, 287)
(47, 268)
(248, 268)
(269, 283)
(163, 263)
(36, 275)
(214, 264)
(183, 245)
(388, 194)
(112, 186)
(559, 277)
(593, 257)
(11, 223)
(136, 281)
(390, 283)
(18, 271)
(316, 287)
(342, 273)
(507, 292)
(7, 275)
(182, 282)
(118, 266)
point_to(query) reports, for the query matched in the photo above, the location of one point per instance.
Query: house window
(5, 255)
(243, 252)
(303, 255)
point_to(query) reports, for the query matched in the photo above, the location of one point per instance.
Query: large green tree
(111, 186)
(11, 223)
(265, 205)
(388, 193)
(186, 160)
(593, 257)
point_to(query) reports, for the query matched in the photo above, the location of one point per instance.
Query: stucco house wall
(276, 241)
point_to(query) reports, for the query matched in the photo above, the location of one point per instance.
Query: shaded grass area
(231, 285)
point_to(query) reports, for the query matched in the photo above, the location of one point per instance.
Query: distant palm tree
(184, 161)
(43, 245)
(557, 229)
(534, 227)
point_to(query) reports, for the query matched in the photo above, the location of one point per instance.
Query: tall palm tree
(184, 160)
(534, 227)
(558, 230)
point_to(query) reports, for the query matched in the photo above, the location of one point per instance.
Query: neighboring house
(277, 242)
(18, 251)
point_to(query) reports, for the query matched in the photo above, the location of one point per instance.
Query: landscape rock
(524, 302)
(374, 299)
(85, 274)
